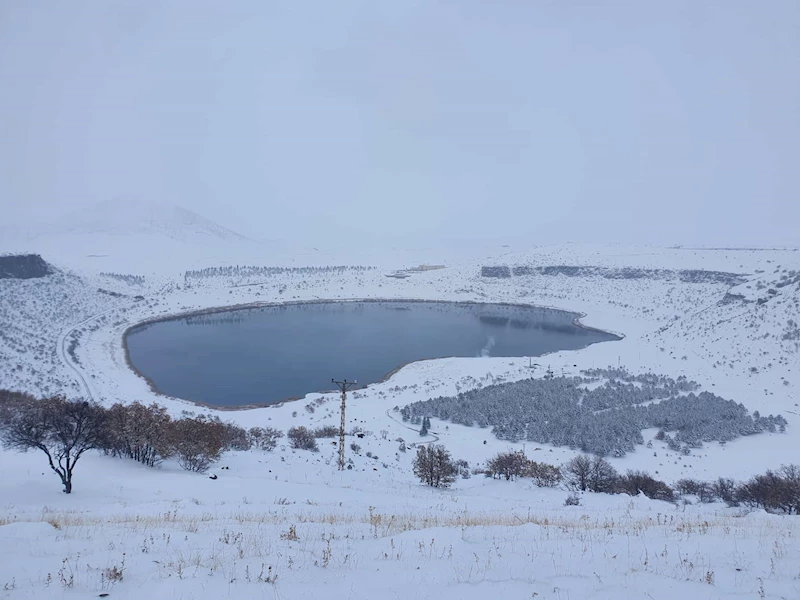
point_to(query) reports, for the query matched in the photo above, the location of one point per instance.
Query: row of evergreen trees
(252, 271)
(129, 279)
(604, 419)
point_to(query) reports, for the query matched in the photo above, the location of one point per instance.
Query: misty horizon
(520, 123)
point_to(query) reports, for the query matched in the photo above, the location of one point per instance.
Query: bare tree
(434, 466)
(725, 489)
(64, 430)
(603, 476)
(590, 473)
(577, 471)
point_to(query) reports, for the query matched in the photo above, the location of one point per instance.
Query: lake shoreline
(141, 325)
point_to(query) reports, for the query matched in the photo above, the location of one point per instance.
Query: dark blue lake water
(266, 355)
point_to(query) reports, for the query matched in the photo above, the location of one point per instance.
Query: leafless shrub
(235, 438)
(302, 438)
(634, 482)
(11, 403)
(264, 438)
(138, 432)
(434, 466)
(508, 465)
(197, 442)
(724, 488)
(591, 473)
(774, 490)
(326, 431)
(463, 469)
(544, 475)
(703, 490)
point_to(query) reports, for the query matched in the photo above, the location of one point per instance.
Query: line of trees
(776, 491)
(64, 430)
(129, 279)
(251, 271)
(514, 464)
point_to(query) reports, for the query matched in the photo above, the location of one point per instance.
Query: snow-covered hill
(133, 236)
(126, 218)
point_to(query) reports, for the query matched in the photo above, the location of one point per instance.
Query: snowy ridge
(123, 218)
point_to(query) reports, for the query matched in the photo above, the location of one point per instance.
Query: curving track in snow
(63, 354)
(420, 443)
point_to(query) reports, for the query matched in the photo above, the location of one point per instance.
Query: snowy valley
(286, 523)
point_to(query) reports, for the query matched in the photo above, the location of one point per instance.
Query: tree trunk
(67, 483)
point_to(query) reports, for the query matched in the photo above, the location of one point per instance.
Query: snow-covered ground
(289, 525)
(375, 532)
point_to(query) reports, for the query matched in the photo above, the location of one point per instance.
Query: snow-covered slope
(125, 218)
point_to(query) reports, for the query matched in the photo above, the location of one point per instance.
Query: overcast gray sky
(663, 122)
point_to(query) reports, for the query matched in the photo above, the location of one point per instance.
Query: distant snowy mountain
(136, 218)
(134, 237)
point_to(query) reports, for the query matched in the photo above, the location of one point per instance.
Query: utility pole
(343, 386)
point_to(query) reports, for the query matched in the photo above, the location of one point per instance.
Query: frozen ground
(297, 528)
(374, 532)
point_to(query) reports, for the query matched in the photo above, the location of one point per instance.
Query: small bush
(634, 482)
(264, 438)
(463, 468)
(327, 431)
(508, 465)
(703, 490)
(724, 488)
(544, 475)
(302, 438)
(572, 500)
(197, 442)
(689, 486)
(236, 438)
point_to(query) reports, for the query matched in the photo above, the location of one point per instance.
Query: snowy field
(287, 524)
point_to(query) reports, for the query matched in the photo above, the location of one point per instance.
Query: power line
(343, 386)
